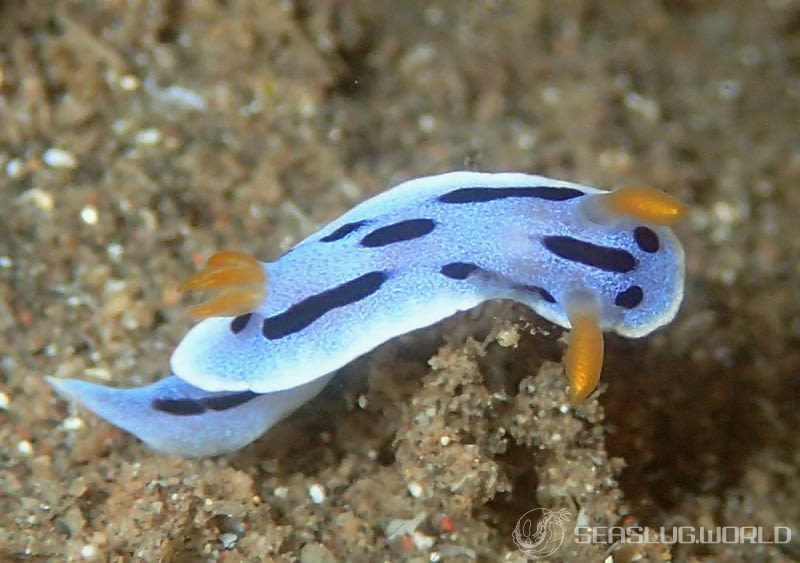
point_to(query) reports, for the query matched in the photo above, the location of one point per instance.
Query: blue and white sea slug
(274, 333)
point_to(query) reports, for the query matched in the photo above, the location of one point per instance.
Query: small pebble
(508, 338)
(15, 168)
(25, 447)
(427, 123)
(59, 158)
(525, 141)
(129, 82)
(148, 137)
(415, 489)
(115, 251)
(40, 198)
(3, 401)
(228, 540)
(122, 126)
(102, 374)
(183, 97)
(422, 541)
(89, 215)
(645, 107)
(72, 423)
(317, 493)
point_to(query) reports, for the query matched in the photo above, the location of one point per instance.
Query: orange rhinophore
(647, 204)
(237, 283)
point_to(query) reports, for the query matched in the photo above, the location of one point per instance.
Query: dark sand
(190, 127)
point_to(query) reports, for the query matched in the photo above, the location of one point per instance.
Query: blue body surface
(402, 260)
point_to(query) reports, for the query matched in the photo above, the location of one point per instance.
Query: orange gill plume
(236, 281)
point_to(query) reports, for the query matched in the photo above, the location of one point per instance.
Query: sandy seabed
(139, 137)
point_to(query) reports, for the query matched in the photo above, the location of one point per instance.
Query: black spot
(647, 239)
(225, 402)
(458, 270)
(601, 257)
(193, 407)
(543, 293)
(343, 231)
(398, 232)
(481, 195)
(300, 315)
(240, 323)
(629, 298)
(179, 407)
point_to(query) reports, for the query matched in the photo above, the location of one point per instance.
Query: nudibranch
(272, 334)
